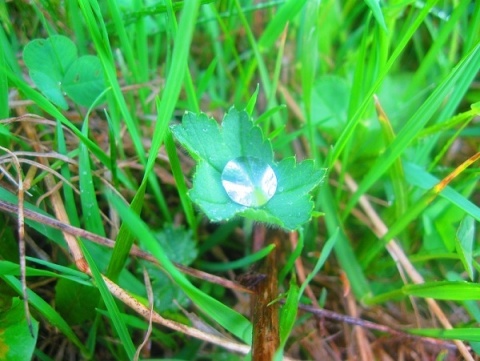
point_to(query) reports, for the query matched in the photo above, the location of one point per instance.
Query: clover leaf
(236, 174)
(56, 70)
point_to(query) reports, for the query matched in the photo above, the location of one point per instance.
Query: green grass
(384, 236)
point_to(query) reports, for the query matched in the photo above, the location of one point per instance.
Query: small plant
(56, 70)
(237, 175)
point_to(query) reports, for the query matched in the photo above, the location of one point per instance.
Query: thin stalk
(266, 339)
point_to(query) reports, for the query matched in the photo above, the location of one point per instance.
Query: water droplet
(249, 181)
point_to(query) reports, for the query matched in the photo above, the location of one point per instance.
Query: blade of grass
(165, 108)
(13, 269)
(240, 263)
(428, 197)
(444, 35)
(180, 181)
(113, 312)
(343, 249)
(420, 178)
(113, 143)
(402, 44)
(220, 50)
(472, 28)
(189, 87)
(466, 71)
(76, 24)
(309, 61)
(9, 50)
(275, 27)
(290, 263)
(288, 315)
(88, 198)
(125, 42)
(464, 242)
(48, 312)
(396, 173)
(229, 50)
(4, 108)
(444, 290)
(96, 27)
(67, 190)
(366, 70)
(326, 250)
(228, 318)
(258, 61)
(470, 334)
(49, 108)
(374, 6)
(250, 107)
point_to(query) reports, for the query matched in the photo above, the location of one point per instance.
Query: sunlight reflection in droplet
(249, 181)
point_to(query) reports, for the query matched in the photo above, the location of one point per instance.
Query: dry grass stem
(398, 255)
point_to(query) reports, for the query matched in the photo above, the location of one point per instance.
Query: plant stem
(266, 339)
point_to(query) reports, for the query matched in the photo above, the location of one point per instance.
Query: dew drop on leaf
(249, 181)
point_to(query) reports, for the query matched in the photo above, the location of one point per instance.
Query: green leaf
(47, 61)
(291, 206)
(201, 135)
(213, 200)
(88, 198)
(50, 88)
(16, 342)
(83, 82)
(47, 312)
(327, 249)
(75, 302)
(226, 317)
(459, 79)
(180, 181)
(168, 297)
(178, 244)
(252, 101)
(288, 315)
(245, 139)
(240, 263)
(330, 99)
(470, 334)
(279, 22)
(444, 290)
(417, 176)
(464, 243)
(374, 5)
(55, 69)
(285, 202)
(112, 308)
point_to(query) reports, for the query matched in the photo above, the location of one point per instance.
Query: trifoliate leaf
(237, 175)
(180, 247)
(56, 70)
(47, 61)
(178, 244)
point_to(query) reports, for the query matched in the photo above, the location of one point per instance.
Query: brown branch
(21, 236)
(265, 340)
(403, 263)
(135, 251)
(372, 325)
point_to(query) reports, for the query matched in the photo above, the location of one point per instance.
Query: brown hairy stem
(266, 339)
